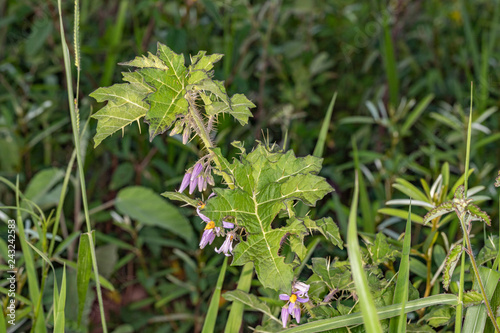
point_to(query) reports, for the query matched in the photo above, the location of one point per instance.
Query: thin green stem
(458, 316)
(98, 284)
(476, 272)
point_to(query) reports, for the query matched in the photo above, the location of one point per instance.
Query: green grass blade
(366, 209)
(471, 41)
(368, 308)
(59, 314)
(398, 324)
(475, 318)
(390, 63)
(115, 41)
(413, 116)
(97, 282)
(83, 273)
(235, 318)
(320, 144)
(458, 318)
(33, 288)
(213, 308)
(3, 323)
(382, 313)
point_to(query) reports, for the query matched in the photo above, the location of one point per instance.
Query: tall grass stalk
(467, 239)
(368, 308)
(73, 110)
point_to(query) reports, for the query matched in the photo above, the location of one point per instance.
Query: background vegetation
(402, 73)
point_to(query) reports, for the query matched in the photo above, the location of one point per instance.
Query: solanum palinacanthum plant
(257, 187)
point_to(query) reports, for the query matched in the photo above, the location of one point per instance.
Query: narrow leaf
(210, 319)
(251, 301)
(368, 309)
(83, 273)
(442, 209)
(382, 313)
(451, 264)
(398, 324)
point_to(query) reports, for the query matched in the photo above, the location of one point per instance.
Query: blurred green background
(402, 71)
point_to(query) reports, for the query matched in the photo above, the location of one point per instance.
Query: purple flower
(291, 308)
(185, 181)
(209, 234)
(301, 288)
(198, 167)
(227, 246)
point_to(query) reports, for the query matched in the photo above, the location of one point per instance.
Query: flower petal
(297, 314)
(227, 225)
(203, 217)
(185, 181)
(303, 300)
(196, 171)
(284, 316)
(284, 297)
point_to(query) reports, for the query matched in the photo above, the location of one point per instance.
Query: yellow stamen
(202, 205)
(293, 298)
(210, 225)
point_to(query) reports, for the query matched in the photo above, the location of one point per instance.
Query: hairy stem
(204, 135)
(476, 273)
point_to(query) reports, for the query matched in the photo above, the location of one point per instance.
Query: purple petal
(185, 182)
(210, 180)
(200, 183)
(192, 185)
(227, 246)
(203, 217)
(302, 300)
(297, 314)
(204, 183)
(227, 225)
(284, 297)
(211, 195)
(301, 286)
(196, 171)
(207, 238)
(284, 316)
(290, 307)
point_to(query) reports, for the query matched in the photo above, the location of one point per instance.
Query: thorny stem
(476, 272)
(205, 137)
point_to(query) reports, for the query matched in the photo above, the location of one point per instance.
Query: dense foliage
(401, 72)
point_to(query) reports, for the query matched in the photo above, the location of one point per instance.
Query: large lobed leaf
(125, 105)
(264, 180)
(159, 91)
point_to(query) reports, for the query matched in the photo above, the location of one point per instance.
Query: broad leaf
(336, 275)
(167, 101)
(327, 228)
(381, 251)
(264, 180)
(149, 208)
(125, 105)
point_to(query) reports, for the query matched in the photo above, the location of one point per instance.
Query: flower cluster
(299, 294)
(211, 231)
(197, 176)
